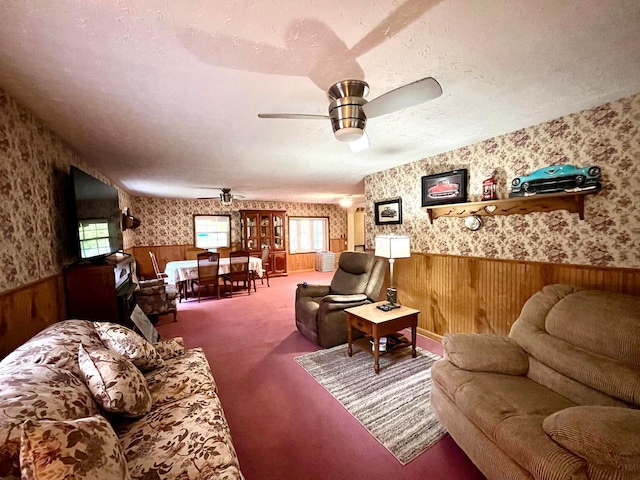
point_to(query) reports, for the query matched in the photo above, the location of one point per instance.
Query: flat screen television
(98, 215)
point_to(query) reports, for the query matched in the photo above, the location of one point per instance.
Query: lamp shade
(393, 246)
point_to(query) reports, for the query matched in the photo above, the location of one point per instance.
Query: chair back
(224, 252)
(156, 269)
(208, 263)
(358, 272)
(265, 255)
(239, 264)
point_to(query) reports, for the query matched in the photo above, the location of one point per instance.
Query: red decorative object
(489, 188)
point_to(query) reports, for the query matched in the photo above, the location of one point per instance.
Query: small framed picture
(443, 188)
(389, 212)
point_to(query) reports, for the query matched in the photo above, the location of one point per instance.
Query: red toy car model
(444, 188)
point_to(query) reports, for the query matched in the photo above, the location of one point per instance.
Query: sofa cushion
(510, 411)
(170, 347)
(188, 438)
(617, 338)
(56, 345)
(603, 435)
(608, 375)
(485, 353)
(38, 392)
(85, 448)
(116, 384)
(129, 344)
(180, 378)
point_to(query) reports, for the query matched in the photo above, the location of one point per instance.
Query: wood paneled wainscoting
(163, 253)
(478, 295)
(301, 262)
(29, 309)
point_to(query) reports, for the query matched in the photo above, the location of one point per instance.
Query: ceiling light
(346, 202)
(225, 197)
(349, 134)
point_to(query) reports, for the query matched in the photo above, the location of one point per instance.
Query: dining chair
(238, 271)
(208, 265)
(159, 274)
(266, 251)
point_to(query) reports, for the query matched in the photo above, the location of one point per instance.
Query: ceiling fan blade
(295, 116)
(361, 144)
(403, 97)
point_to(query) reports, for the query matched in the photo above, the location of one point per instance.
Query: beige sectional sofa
(96, 400)
(556, 399)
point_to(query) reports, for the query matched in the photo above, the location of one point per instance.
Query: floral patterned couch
(97, 401)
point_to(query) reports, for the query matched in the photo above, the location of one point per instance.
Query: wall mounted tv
(98, 216)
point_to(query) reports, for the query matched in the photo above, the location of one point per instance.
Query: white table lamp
(392, 247)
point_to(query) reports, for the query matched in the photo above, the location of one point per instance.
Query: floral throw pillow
(82, 448)
(170, 348)
(129, 344)
(116, 384)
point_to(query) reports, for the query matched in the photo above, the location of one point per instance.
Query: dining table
(180, 272)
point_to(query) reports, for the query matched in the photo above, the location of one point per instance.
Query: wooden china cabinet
(266, 228)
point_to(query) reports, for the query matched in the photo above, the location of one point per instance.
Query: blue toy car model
(556, 178)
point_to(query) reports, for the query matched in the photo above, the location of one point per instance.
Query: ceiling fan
(225, 197)
(349, 110)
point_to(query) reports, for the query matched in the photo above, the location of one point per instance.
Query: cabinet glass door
(278, 231)
(265, 230)
(251, 231)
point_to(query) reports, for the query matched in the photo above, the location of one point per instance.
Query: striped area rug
(393, 405)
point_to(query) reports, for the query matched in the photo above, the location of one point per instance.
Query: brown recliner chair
(320, 312)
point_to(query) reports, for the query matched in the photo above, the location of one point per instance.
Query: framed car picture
(443, 188)
(389, 212)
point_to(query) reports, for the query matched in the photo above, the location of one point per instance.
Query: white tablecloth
(182, 270)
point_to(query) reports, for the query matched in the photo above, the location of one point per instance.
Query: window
(94, 238)
(308, 234)
(211, 231)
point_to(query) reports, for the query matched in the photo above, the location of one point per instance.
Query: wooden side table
(376, 323)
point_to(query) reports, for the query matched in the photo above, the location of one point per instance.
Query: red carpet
(283, 423)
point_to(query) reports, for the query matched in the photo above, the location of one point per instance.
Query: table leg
(376, 350)
(413, 341)
(349, 337)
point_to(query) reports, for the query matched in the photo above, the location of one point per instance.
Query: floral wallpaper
(35, 228)
(35, 185)
(167, 221)
(607, 136)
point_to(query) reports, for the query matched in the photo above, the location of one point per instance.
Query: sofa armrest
(485, 353)
(312, 290)
(170, 347)
(606, 436)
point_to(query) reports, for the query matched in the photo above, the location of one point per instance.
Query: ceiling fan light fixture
(349, 134)
(225, 197)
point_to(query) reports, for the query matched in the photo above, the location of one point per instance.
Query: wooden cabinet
(101, 292)
(260, 228)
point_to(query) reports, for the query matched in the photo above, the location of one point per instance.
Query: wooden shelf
(572, 202)
(364, 344)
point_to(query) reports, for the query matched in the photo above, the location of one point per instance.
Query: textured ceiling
(163, 97)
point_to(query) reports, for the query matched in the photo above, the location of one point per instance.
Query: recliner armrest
(356, 297)
(485, 353)
(604, 436)
(312, 290)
